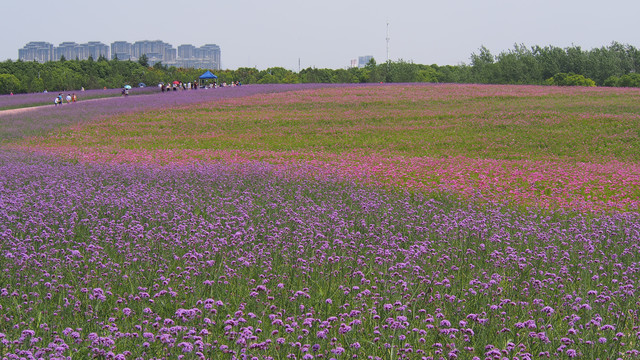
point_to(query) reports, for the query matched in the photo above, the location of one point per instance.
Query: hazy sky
(329, 33)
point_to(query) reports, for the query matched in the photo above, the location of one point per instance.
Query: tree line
(613, 65)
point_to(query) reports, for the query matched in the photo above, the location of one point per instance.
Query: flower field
(368, 222)
(41, 120)
(25, 100)
(529, 145)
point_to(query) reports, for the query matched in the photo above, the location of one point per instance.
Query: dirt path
(21, 110)
(31, 108)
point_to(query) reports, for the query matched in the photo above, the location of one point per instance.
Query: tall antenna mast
(387, 40)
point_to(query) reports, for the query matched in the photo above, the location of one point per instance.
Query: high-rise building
(121, 50)
(186, 51)
(96, 49)
(169, 55)
(68, 49)
(71, 51)
(364, 60)
(204, 57)
(150, 48)
(39, 51)
(210, 52)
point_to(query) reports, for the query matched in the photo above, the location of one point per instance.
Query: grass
(585, 127)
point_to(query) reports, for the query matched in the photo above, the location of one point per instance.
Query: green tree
(629, 80)
(517, 66)
(570, 79)
(37, 85)
(153, 77)
(427, 73)
(343, 76)
(611, 81)
(277, 75)
(158, 66)
(483, 67)
(290, 78)
(9, 83)
(453, 73)
(317, 76)
(577, 60)
(402, 71)
(373, 72)
(552, 60)
(143, 60)
(268, 79)
(246, 75)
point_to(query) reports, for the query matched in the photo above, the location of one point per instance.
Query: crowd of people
(60, 99)
(177, 85)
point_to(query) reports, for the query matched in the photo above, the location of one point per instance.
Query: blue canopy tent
(208, 75)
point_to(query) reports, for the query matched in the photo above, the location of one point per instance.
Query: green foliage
(37, 85)
(427, 74)
(343, 76)
(9, 83)
(247, 75)
(629, 80)
(153, 76)
(376, 73)
(483, 67)
(535, 65)
(402, 71)
(277, 75)
(453, 74)
(611, 81)
(371, 63)
(517, 66)
(267, 79)
(159, 66)
(144, 60)
(570, 79)
(313, 75)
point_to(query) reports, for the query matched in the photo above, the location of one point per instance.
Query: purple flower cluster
(249, 261)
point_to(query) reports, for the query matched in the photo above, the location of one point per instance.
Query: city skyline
(205, 56)
(330, 34)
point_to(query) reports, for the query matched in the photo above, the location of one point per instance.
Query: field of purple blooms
(254, 262)
(42, 120)
(286, 260)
